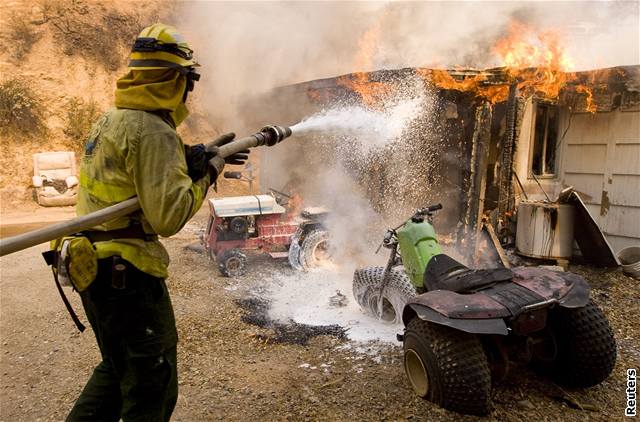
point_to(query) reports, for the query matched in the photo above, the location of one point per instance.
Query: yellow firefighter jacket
(135, 151)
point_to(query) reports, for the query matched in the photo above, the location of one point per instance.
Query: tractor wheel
(232, 262)
(586, 348)
(448, 367)
(366, 290)
(314, 249)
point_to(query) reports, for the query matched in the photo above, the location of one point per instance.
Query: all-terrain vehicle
(261, 222)
(465, 327)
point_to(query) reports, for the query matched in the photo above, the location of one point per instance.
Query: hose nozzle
(274, 134)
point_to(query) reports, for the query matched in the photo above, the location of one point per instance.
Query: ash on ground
(298, 306)
(291, 332)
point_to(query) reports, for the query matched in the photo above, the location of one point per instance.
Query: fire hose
(268, 136)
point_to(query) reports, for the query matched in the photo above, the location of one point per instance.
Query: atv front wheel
(232, 262)
(448, 367)
(586, 348)
(314, 249)
(397, 292)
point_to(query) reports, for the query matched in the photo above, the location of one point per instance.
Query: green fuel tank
(418, 244)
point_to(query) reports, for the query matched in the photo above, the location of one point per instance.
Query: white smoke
(249, 47)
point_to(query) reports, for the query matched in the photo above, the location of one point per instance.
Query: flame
(314, 95)
(475, 83)
(371, 93)
(294, 206)
(535, 60)
(524, 47)
(590, 105)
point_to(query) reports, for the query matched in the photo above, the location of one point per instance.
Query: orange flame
(536, 61)
(295, 205)
(313, 94)
(590, 105)
(475, 83)
(372, 93)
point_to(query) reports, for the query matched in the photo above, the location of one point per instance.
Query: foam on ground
(304, 298)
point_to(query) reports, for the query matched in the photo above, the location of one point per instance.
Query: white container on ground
(630, 259)
(545, 230)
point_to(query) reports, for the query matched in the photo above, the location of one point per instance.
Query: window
(545, 137)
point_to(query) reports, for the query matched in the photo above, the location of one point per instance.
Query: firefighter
(134, 150)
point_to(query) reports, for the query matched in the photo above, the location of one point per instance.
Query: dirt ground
(229, 370)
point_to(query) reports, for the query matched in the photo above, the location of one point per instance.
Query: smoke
(247, 48)
(250, 47)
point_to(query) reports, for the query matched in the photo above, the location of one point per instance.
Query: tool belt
(134, 231)
(74, 260)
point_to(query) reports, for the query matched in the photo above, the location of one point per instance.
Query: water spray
(268, 136)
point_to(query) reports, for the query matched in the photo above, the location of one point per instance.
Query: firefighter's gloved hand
(197, 161)
(238, 158)
(215, 163)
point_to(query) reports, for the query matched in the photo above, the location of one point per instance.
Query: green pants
(135, 329)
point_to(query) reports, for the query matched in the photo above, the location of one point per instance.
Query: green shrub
(20, 111)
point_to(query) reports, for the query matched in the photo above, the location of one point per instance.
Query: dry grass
(23, 36)
(90, 30)
(80, 116)
(20, 110)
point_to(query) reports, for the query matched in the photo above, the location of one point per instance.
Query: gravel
(233, 366)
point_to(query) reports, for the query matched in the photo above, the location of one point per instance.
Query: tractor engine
(236, 228)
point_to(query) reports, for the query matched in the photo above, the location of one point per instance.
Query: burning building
(495, 137)
(483, 140)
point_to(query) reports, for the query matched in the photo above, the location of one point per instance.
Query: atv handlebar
(420, 212)
(390, 241)
(429, 209)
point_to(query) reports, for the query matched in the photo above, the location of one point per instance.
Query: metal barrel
(269, 135)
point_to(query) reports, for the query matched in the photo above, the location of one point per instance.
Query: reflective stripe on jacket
(138, 153)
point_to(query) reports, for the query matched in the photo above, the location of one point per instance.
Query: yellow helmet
(160, 46)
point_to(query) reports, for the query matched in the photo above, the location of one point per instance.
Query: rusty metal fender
(567, 289)
(472, 313)
(456, 305)
(473, 326)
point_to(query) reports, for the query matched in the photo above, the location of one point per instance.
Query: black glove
(204, 158)
(197, 161)
(238, 158)
(216, 163)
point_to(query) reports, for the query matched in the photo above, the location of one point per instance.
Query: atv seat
(445, 273)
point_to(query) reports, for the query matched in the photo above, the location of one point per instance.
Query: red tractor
(262, 223)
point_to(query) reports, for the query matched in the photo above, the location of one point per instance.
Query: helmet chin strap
(192, 78)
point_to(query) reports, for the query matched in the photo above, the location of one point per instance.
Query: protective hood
(153, 90)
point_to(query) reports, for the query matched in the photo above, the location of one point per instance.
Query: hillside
(58, 74)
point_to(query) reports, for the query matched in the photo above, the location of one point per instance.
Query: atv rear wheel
(232, 262)
(448, 367)
(314, 249)
(366, 289)
(586, 348)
